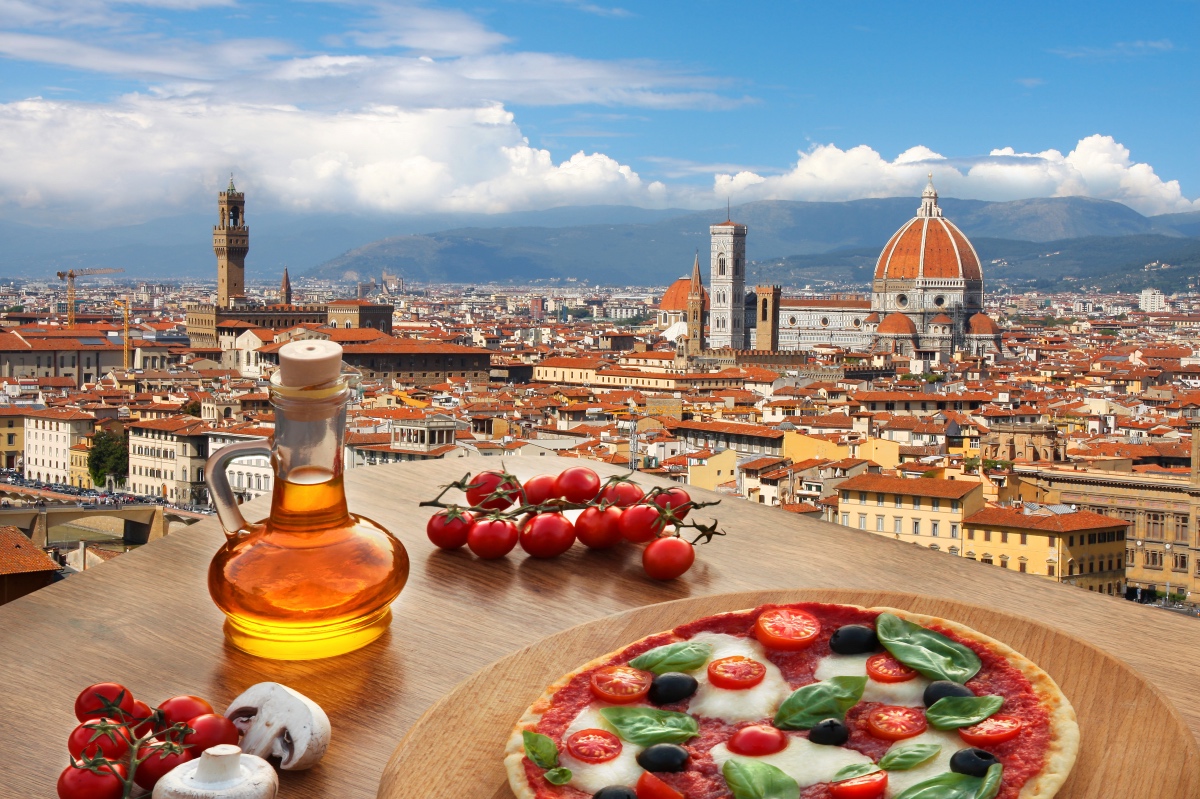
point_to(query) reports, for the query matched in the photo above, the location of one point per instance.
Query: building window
(1155, 526)
(1181, 529)
(879, 524)
(1049, 569)
(899, 501)
(933, 528)
(916, 503)
(1004, 537)
(862, 521)
(970, 535)
(862, 497)
(935, 504)
(953, 530)
(987, 535)
(954, 505)
(1021, 566)
(845, 520)
(878, 497)
(916, 526)
(1024, 539)
(897, 525)
(986, 559)
(1053, 541)
(1003, 561)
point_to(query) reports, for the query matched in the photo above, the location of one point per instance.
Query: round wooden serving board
(1133, 742)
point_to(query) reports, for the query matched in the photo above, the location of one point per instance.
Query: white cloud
(1118, 50)
(1098, 167)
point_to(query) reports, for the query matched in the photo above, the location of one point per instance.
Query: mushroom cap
(221, 772)
(276, 721)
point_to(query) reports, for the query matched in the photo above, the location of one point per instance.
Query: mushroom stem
(219, 764)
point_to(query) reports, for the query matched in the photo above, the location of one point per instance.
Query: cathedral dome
(928, 246)
(897, 324)
(941, 319)
(675, 298)
(982, 325)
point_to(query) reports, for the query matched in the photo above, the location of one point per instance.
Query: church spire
(285, 289)
(697, 286)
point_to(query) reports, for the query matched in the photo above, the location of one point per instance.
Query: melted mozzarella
(805, 762)
(938, 764)
(908, 693)
(591, 777)
(751, 704)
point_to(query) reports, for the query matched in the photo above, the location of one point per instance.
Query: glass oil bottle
(311, 580)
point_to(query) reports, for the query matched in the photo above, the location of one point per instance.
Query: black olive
(615, 792)
(972, 762)
(663, 757)
(854, 639)
(940, 689)
(829, 732)
(671, 687)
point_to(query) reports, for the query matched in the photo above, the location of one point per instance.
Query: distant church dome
(928, 246)
(897, 324)
(676, 296)
(982, 325)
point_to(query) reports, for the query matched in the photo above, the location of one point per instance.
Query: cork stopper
(309, 363)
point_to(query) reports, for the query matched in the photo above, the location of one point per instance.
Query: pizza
(801, 701)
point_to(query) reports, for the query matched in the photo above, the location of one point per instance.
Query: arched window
(720, 264)
(764, 309)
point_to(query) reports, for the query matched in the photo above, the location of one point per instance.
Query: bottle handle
(218, 482)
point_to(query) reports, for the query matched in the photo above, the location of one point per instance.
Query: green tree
(191, 408)
(109, 455)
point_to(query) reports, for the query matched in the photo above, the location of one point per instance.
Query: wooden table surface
(145, 619)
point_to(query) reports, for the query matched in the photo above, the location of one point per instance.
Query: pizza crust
(1059, 756)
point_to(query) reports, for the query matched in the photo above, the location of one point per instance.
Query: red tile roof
(18, 555)
(921, 487)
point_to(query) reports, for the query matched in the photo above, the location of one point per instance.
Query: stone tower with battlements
(231, 242)
(766, 335)
(727, 286)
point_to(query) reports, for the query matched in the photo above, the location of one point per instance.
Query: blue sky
(143, 107)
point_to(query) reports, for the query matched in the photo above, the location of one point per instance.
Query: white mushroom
(221, 772)
(276, 721)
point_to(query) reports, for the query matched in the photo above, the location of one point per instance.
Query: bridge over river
(142, 521)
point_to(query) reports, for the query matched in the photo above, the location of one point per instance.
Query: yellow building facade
(924, 511)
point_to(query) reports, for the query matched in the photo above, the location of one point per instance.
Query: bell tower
(727, 286)
(231, 242)
(766, 335)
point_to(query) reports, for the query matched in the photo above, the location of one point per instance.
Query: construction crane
(123, 304)
(70, 276)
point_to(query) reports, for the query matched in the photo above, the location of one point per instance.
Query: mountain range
(1069, 242)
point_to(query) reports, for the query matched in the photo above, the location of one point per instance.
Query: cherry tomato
(868, 786)
(599, 529)
(678, 500)
(623, 494)
(892, 722)
(994, 730)
(483, 485)
(87, 740)
(757, 740)
(183, 708)
(593, 746)
(641, 523)
(448, 528)
(80, 783)
(885, 668)
(210, 730)
(667, 558)
(621, 685)
(492, 538)
(547, 535)
(651, 787)
(90, 702)
(140, 718)
(539, 489)
(786, 629)
(578, 484)
(158, 762)
(736, 673)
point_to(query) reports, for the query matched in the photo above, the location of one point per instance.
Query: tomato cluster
(121, 741)
(504, 513)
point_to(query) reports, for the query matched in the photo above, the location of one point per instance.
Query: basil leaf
(952, 712)
(540, 749)
(991, 782)
(902, 758)
(950, 785)
(558, 776)
(754, 779)
(932, 654)
(682, 656)
(854, 770)
(828, 699)
(645, 726)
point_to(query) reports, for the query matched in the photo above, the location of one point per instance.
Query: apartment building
(166, 458)
(1057, 542)
(12, 437)
(49, 436)
(927, 511)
